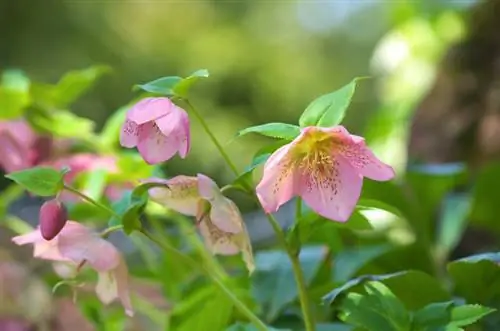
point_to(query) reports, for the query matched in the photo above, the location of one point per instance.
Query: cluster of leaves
(361, 275)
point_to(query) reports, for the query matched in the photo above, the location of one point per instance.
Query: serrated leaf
(329, 109)
(414, 288)
(164, 86)
(272, 285)
(273, 130)
(388, 304)
(468, 314)
(42, 181)
(433, 315)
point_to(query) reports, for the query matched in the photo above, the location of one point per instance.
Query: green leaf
(110, 133)
(414, 288)
(244, 181)
(69, 88)
(250, 327)
(42, 181)
(433, 315)
(485, 207)
(349, 261)
(182, 88)
(274, 130)
(470, 275)
(205, 309)
(370, 204)
(14, 94)
(164, 86)
(62, 124)
(329, 109)
(452, 221)
(272, 285)
(468, 314)
(379, 310)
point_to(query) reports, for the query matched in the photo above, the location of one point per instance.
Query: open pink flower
(325, 167)
(219, 219)
(77, 244)
(158, 128)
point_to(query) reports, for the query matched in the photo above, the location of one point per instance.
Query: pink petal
(175, 124)
(217, 241)
(129, 134)
(154, 146)
(78, 243)
(114, 284)
(335, 195)
(15, 156)
(42, 249)
(224, 213)
(279, 183)
(149, 109)
(180, 194)
(353, 149)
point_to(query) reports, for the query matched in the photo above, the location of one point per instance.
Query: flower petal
(279, 183)
(15, 156)
(42, 249)
(176, 125)
(78, 243)
(149, 109)
(114, 284)
(217, 241)
(353, 148)
(180, 194)
(129, 134)
(154, 146)
(336, 193)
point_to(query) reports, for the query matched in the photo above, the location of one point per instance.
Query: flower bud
(53, 217)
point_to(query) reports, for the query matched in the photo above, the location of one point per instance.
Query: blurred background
(433, 96)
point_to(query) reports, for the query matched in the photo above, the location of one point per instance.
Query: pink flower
(219, 219)
(158, 128)
(77, 244)
(84, 163)
(325, 167)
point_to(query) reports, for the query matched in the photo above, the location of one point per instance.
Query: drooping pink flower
(77, 244)
(85, 163)
(323, 166)
(158, 128)
(219, 219)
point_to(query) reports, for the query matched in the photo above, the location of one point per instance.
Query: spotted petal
(154, 146)
(175, 125)
(279, 183)
(180, 194)
(334, 193)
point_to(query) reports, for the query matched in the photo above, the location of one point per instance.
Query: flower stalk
(280, 235)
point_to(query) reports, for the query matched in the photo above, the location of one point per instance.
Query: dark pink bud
(53, 217)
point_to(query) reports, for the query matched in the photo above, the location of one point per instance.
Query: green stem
(297, 271)
(217, 282)
(212, 137)
(90, 200)
(298, 275)
(113, 228)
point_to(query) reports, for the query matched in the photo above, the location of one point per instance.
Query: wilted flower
(325, 167)
(52, 218)
(218, 218)
(158, 128)
(77, 244)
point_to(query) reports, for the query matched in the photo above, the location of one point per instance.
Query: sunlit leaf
(42, 181)
(274, 130)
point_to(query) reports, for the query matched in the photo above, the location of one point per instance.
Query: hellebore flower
(325, 167)
(218, 218)
(158, 128)
(77, 244)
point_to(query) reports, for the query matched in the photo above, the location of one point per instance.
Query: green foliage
(329, 109)
(273, 130)
(14, 94)
(42, 181)
(173, 85)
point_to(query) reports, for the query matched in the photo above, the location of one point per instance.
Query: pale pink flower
(77, 244)
(85, 163)
(323, 166)
(219, 219)
(158, 128)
